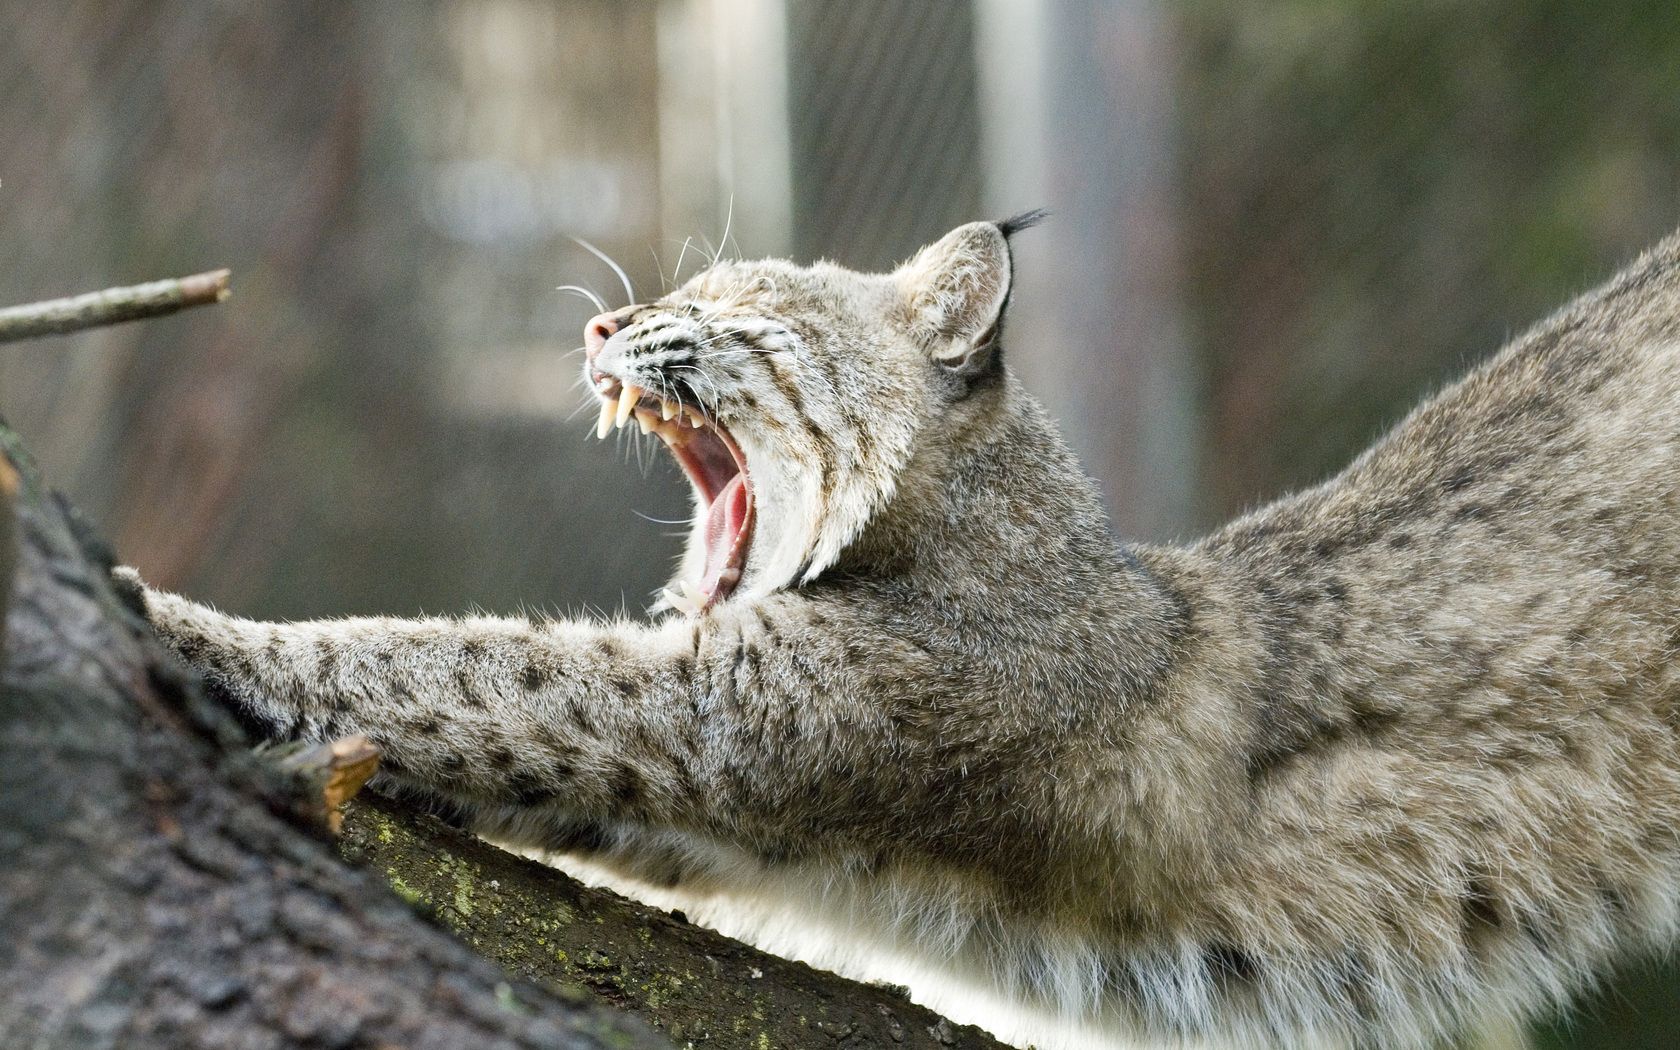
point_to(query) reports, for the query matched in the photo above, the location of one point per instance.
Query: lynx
(1370, 766)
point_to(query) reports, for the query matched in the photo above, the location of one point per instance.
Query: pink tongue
(724, 521)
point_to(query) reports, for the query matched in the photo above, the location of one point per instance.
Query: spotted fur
(1370, 766)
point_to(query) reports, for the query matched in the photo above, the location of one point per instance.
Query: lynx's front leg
(654, 725)
(484, 711)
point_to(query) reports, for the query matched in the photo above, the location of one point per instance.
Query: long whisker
(676, 272)
(664, 382)
(659, 268)
(586, 293)
(590, 400)
(728, 221)
(658, 521)
(629, 293)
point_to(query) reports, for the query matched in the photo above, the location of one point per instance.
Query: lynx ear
(956, 289)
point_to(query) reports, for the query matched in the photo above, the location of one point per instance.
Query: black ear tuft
(1025, 221)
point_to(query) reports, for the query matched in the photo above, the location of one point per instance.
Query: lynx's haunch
(1370, 766)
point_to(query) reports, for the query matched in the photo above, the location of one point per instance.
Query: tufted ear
(956, 288)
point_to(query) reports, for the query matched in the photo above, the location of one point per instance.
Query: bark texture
(161, 887)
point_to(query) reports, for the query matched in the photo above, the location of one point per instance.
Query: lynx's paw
(153, 606)
(174, 619)
(214, 647)
(130, 588)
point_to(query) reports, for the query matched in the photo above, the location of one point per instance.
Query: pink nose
(599, 329)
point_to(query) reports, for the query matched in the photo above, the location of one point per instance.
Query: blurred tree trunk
(159, 887)
(156, 888)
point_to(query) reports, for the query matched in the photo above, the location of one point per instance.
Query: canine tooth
(692, 593)
(681, 602)
(667, 409)
(626, 401)
(606, 422)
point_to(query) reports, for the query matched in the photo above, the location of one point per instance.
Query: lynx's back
(1463, 695)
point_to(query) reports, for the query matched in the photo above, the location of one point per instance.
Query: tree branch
(112, 306)
(697, 986)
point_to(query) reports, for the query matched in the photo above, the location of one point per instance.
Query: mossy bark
(696, 985)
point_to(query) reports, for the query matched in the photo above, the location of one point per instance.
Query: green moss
(463, 901)
(534, 923)
(403, 889)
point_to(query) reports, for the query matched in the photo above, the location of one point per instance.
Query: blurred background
(1275, 226)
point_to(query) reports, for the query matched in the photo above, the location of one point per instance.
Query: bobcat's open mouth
(715, 467)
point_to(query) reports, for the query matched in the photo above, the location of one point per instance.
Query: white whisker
(658, 521)
(676, 273)
(659, 268)
(728, 221)
(629, 293)
(586, 293)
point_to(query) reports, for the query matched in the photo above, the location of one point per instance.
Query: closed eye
(764, 337)
(672, 346)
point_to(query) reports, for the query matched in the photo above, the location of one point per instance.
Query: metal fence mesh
(884, 126)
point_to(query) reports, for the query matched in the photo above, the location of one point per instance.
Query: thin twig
(112, 306)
